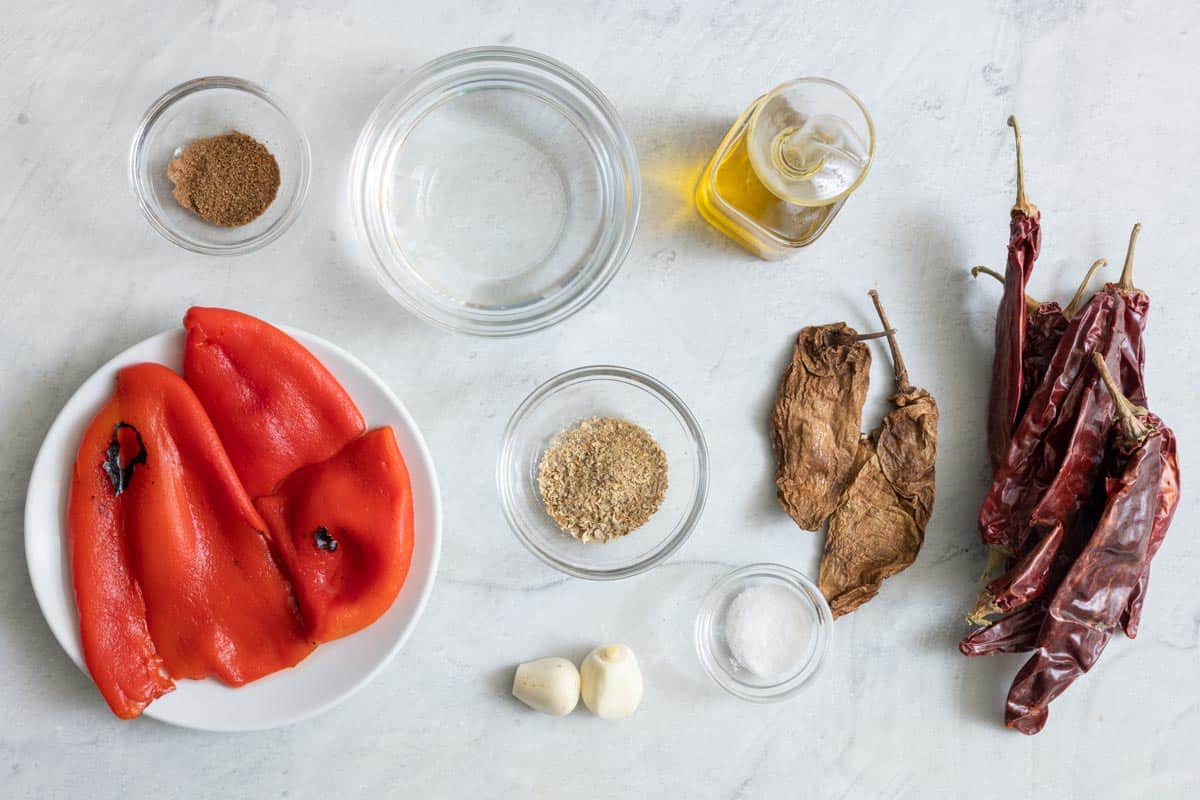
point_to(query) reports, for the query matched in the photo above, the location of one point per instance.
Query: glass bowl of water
(496, 191)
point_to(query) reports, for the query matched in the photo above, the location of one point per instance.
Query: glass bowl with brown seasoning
(603, 472)
(218, 167)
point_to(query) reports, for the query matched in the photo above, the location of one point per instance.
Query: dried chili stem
(1129, 416)
(1030, 303)
(876, 335)
(1126, 282)
(985, 608)
(1077, 301)
(902, 384)
(982, 270)
(1023, 205)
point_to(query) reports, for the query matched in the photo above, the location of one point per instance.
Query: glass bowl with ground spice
(218, 167)
(603, 472)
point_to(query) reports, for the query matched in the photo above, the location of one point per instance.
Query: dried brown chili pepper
(1143, 492)
(1067, 460)
(1024, 242)
(816, 419)
(879, 524)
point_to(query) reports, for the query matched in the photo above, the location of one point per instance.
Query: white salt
(769, 631)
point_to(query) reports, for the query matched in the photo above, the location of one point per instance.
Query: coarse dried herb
(1024, 242)
(1142, 485)
(879, 524)
(817, 418)
(602, 478)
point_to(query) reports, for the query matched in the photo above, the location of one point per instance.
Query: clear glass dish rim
(156, 110)
(421, 90)
(704, 619)
(683, 530)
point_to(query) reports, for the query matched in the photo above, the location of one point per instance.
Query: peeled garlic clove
(549, 685)
(611, 681)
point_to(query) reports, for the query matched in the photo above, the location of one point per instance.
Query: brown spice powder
(228, 180)
(602, 478)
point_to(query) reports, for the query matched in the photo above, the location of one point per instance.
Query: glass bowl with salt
(762, 631)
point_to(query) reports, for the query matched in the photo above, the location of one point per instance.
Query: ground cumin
(228, 180)
(602, 478)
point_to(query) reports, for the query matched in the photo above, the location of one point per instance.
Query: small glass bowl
(496, 191)
(713, 648)
(613, 392)
(210, 107)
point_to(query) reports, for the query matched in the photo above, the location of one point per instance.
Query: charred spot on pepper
(120, 476)
(324, 540)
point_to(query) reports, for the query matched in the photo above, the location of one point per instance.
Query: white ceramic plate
(335, 670)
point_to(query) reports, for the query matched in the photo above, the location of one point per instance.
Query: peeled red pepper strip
(344, 532)
(117, 648)
(1143, 492)
(217, 604)
(275, 406)
(1024, 242)
(170, 563)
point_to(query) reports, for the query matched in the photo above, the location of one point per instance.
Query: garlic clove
(611, 681)
(549, 685)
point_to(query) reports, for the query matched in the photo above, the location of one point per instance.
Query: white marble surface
(1107, 97)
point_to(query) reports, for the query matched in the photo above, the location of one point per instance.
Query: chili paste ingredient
(228, 180)
(879, 524)
(173, 576)
(817, 418)
(602, 478)
(1025, 240)
(1143, 491)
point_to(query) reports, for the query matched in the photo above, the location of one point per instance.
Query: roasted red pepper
(344, 532)
(1143, 492)
(118, 650)
(169, 561)
(275, 406)
(1024, 242)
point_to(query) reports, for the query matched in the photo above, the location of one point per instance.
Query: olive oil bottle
(786, 167)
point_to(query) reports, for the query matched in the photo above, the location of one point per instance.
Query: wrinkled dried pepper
(1045, 323)
(1024, 242)
(1067, 459)
(817, 418)
(878, 526)
(1143, 492)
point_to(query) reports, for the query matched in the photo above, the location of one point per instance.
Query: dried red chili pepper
(1068, 460)
(1024, 242)
(1015, 632)
(1143, 492)
(1045, 323)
